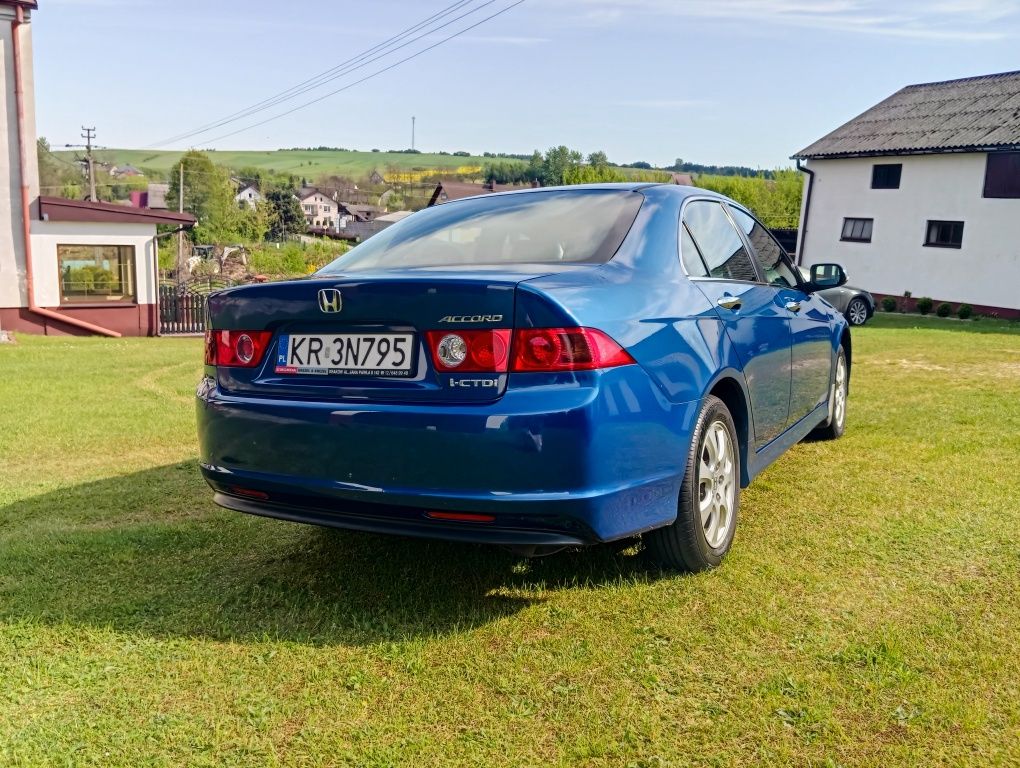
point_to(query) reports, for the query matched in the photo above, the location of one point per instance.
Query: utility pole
(180, 231)
(88, 135)
(412, 131)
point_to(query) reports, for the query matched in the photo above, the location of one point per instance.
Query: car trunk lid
(350, 320)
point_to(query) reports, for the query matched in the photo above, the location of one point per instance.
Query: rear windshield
(558, 226)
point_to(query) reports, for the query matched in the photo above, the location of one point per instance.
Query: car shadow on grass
(150, 553)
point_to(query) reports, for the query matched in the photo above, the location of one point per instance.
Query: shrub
(944, 310)
(889, 304)
(964, 311)
(924, 305)
(292, 258)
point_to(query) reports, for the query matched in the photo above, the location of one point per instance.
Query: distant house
(376, 178)
(248, 196)
(319, 208)
(447, 190)
(362, 230)
(683, 179)
(392, 218)
(157, 196)
(124, 171)
(358, 211)
(921, 193)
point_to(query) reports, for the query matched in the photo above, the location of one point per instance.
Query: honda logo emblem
(329, 300)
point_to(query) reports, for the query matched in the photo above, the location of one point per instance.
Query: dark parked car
(540, 369)
(856, 304)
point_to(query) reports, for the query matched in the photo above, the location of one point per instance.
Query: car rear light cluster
(531, 350)
(238, 349)
(470, 351)
(566, 349)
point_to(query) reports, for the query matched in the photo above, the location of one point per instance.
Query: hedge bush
(924, 305)
(964, 311)
(944, 310)
(889, 304)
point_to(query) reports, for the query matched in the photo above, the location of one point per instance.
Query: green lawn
(308, 163)
(869, 613)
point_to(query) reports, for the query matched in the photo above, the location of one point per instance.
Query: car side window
(719, 243)
(770, 254)
(690, 255)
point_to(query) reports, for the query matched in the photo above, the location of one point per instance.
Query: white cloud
(961, 20)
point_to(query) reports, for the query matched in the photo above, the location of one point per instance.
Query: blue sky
(714, 81)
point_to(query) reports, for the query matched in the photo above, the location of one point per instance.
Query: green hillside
(308, 163)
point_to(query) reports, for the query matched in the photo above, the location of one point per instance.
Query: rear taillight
(470, 351)
(237, 349)
(565, 349)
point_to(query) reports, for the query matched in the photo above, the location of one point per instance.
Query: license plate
(346, 354)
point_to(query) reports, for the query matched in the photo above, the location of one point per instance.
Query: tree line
(774, 195)
(562, 165)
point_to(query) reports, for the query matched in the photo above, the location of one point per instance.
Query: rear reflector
(485, 351)
(565, 349)
(237, 349)
(251, 494)
(462, 517)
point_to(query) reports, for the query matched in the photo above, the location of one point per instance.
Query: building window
(886, 175)
(96, 273)
(1002, 175)
(857, 230)
(944, 234)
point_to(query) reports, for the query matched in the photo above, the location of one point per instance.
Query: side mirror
(826, 276)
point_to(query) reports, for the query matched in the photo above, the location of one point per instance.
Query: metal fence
(182, 306)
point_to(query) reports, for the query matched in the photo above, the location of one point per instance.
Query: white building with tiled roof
(66, 266)
(319, 208)
(921, 193)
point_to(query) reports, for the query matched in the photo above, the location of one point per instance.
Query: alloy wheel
(857, 312)
(717, 484)
(839, 392)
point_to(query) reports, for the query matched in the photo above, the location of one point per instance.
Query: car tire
(709, 500)
(835, 425)
(857, 311)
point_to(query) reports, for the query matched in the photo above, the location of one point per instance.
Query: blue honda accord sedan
(541, 369)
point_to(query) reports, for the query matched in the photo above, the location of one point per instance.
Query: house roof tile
(971, 114)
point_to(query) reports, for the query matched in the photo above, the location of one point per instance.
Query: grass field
(308, 163)
(869, 614)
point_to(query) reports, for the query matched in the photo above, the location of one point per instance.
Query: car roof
(675, 190)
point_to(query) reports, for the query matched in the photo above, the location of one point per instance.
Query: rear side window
(689, 254)
(558, 226)
(719, 243)
(769, 253)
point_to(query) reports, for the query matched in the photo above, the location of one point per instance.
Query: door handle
(729, 302)
(793, 306)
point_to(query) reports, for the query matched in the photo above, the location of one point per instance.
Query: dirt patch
(905, 364)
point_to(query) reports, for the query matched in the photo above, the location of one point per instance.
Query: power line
(317, 80)
(59, 159)
(345, 67)
(367, 77)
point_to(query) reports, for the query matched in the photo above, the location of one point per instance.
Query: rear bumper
(407, 521)
(556, 462)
